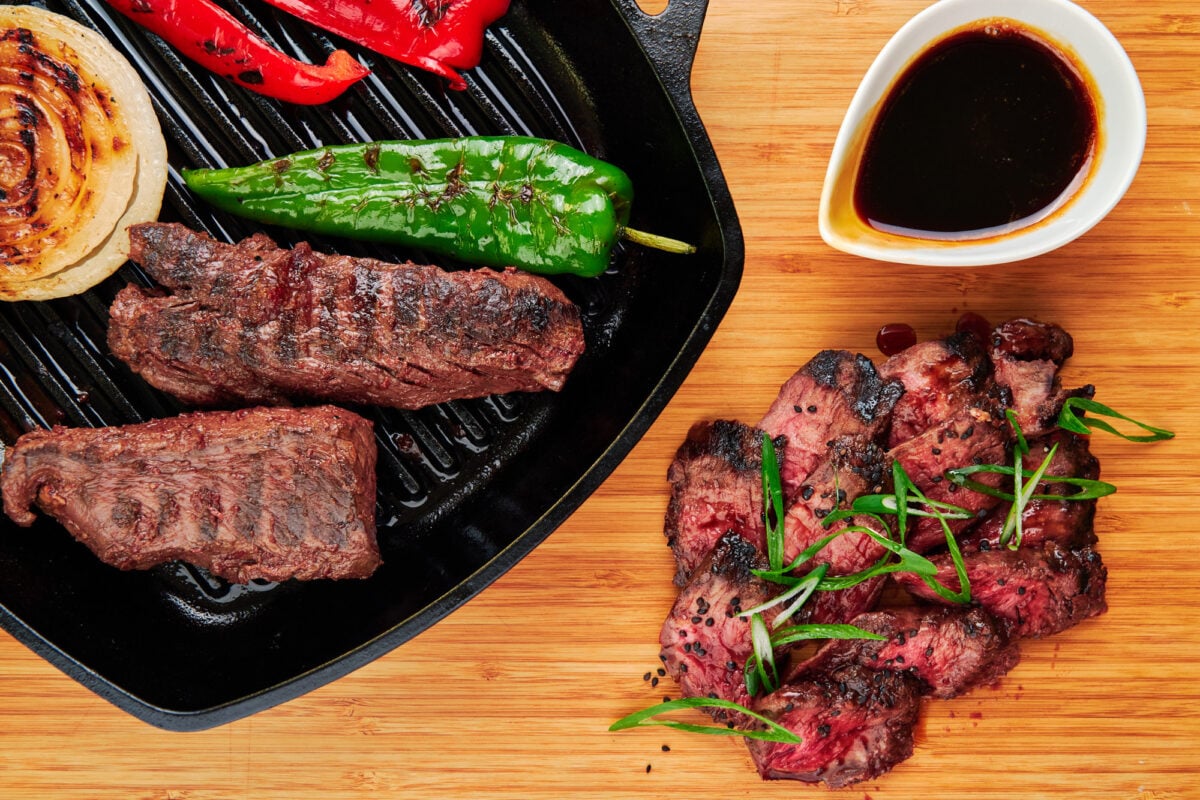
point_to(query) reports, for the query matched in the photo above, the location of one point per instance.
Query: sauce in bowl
(987, 131)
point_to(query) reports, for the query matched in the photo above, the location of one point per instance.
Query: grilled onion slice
(81, 155)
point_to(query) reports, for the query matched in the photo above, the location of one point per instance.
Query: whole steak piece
(254, 323)
(270, 493)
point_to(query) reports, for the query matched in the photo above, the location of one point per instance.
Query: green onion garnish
(774, 733)
(766, 677)
(1068, 420)
(1088, 489)
(801, 633)
(773, 517)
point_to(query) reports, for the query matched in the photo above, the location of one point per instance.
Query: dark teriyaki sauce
(984, 130)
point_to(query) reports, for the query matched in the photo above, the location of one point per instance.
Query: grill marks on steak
(253, 323)
(950, 650)
(856, 724)
(270, 493)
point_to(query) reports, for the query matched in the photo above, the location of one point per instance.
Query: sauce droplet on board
(895, 337)
(987, 131)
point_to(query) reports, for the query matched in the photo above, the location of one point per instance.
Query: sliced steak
(271, 493)
(940, 378)
(1032, 591)
(253, 323)
(951, 650)
(1027, 356)
(856, 724)
(971, 436)
(834, 394)
(705, 641)
(716, 487)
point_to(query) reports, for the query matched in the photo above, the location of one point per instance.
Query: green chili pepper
(499, 201)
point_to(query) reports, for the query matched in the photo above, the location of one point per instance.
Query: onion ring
(81, 155)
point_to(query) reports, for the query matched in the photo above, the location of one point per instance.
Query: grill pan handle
(669, 38)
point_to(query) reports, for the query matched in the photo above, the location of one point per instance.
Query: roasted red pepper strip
(435, 35)
(216, 40)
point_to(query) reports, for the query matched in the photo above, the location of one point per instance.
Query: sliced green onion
(1068, 420)
(1013, 527)
(764, 656)
(1088, 489)
(773, 517)
(801, 590)
(774, 733)
(801, 633)
(1022, 445)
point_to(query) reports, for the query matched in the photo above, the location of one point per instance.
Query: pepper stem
(657, 242)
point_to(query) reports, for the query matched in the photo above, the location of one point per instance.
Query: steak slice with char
(972, 436)
(253, 323)
(951, 650)
(856, 724)
(834, 394)
(1027, 356)
(940, 377)
(270, 493)
(716, 487)
(705, 641)
(1032, 591)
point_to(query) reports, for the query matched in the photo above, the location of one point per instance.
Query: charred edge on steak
(705, 640)
(950, 650)
(1027, 356)
(216, 489)
(834, 394)
(716, 487)
(856, 724)
(254, 323)
(940, 378)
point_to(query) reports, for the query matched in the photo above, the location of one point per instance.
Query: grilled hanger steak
(254, 323)
(843, 432)
(260, 493)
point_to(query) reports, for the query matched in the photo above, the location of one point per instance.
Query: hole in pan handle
(669, 38)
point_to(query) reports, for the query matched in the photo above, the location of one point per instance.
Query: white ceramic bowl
(1121, 134)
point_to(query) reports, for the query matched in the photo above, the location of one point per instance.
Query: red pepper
(435, 35)
(215, 39)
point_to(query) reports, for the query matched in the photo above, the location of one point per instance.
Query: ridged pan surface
(466, 488)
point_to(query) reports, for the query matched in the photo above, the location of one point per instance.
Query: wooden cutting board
(512, 695)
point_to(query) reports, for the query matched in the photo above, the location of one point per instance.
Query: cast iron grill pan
(466, 488)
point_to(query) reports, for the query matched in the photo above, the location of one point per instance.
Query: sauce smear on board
(986, 132)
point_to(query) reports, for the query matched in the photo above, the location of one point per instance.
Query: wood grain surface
(511, 696)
